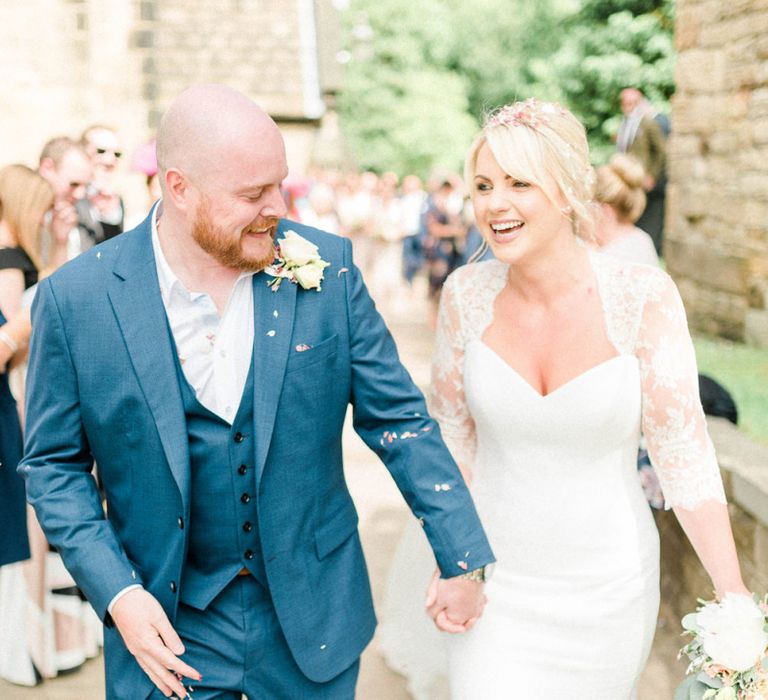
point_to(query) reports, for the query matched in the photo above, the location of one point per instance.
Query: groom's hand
(149, 636)
(455, 604)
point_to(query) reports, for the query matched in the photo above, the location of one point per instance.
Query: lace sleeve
(447, 400)
(673, 420)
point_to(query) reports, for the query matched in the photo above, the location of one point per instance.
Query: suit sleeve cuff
(120, 595)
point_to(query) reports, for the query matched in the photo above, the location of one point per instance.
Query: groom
(213, 403)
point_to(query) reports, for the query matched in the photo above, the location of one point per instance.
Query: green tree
(422, 75)
(403, 107)
(608, 45)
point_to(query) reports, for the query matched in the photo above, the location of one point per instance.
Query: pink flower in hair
(531, 113)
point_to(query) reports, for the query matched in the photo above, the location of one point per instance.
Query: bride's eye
(482, 187)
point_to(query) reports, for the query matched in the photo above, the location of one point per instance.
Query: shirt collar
(165, 274)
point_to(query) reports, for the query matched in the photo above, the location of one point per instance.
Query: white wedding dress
(573, 601)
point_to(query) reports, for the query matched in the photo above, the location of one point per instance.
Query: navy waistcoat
(223, 523)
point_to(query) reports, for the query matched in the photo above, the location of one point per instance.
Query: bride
(549, 362)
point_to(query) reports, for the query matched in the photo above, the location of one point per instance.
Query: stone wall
(717, 213)
(65, 64)
(743, 465)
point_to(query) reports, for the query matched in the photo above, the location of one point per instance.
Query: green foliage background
(421, 75)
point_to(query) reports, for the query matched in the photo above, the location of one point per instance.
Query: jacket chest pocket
(312, 355)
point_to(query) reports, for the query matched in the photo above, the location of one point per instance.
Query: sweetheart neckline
(560, 387)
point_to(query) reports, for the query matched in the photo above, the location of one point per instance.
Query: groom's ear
(177, 189)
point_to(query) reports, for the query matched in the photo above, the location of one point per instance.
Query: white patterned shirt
(214, 351)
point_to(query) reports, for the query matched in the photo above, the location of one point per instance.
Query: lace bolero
(644, 317)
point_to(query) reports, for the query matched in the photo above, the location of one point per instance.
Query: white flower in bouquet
(732, 633)
(297, 251)
(728, 650)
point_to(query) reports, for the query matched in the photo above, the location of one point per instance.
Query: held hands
(455, 604)
(148, 634)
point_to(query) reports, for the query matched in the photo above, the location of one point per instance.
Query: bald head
(208, 125)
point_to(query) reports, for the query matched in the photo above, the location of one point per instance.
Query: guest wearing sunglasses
(102, 211)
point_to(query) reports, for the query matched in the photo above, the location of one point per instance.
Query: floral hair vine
(531, 113)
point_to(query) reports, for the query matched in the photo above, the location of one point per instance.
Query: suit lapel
(273, 326)
(135, 297)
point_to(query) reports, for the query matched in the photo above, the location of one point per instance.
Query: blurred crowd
(408, 235)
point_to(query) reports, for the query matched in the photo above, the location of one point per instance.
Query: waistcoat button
(242, 469)
(248, 554)
(181, 523)
(173, 586)
(239, 437)
(247, 527)
(245, 498)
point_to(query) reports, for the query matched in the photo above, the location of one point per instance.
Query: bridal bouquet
(728, 650)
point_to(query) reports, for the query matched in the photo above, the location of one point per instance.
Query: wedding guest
(387, 234)
(619, 191)
(412, 204)
(321, 209)
(642, 134)
(26, 198)
(443, 233)
(44, 623)
(102, 212)
(67, 168)
(549, 361)
(20, 223)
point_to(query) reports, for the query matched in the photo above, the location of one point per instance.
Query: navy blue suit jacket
(102, 385)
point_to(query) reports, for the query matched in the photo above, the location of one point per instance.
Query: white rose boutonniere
(297, 260)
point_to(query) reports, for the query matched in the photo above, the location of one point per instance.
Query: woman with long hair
(41, 624)
(25, 198)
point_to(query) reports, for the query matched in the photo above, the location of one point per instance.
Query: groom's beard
(229, 249)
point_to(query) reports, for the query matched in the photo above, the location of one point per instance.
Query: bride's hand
(454, 604)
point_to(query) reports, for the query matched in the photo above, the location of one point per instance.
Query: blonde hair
(620, 185)
(533, 141)
(26, 197)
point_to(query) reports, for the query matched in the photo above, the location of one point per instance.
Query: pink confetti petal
(462, 565)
